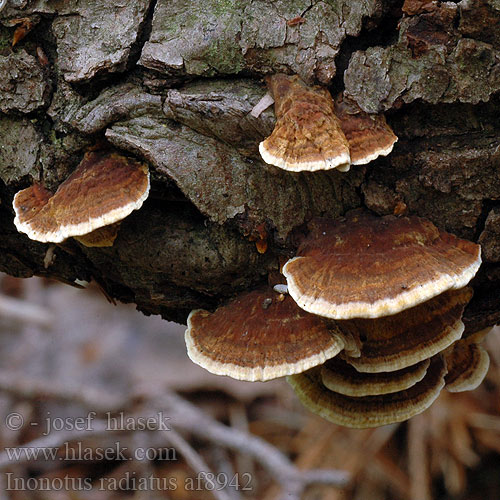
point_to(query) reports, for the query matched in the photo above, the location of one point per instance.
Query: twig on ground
(142, 467)
(219, 456)
(185, 416)
(238, 420)
(196, 462)
(31, 388)
(23, 311)
(52, 441)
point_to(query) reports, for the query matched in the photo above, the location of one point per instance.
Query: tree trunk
(172, 83)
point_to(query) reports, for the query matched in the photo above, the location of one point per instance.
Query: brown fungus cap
(368, 135)
(339, 376)
(102, 237)
(307, 135)
(103, 189)
(394, 342)
(259, 335)
(28, 202)
(467, 364)
(366, 266)
(369, 411)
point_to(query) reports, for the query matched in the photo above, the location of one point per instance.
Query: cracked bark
(173, 83)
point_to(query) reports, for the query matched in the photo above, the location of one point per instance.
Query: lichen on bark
(224, 37)
(432, 60)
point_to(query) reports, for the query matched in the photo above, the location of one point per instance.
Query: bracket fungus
(314, 133)
(369, 411)
(394, 342)
(307, 135)
(467, 363)
(102, 237)
(404, 362)
(366, 266)
(257, 336)
(339, 376)
(368, 135)
(104, 189)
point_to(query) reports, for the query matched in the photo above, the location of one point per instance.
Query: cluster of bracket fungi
(116, 185)
(369, 330)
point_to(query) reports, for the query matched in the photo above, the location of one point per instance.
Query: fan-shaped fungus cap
(368, 411)
(365, 266)
(258, 337)
(394, 342)
(307, 135)
(339, 376)
(104, 189)
(368, 136)
(467, 364)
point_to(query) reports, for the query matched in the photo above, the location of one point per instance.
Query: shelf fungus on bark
(102, 237)
(104, 189)
(307, 135)
(339, 376)
(369, 411)
(368, 135)
(366, 266)
(314, 133)
(394, 342)
(467, 363)
(259, 335)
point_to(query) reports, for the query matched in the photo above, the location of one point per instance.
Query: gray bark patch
(222, 37)
(23, 85)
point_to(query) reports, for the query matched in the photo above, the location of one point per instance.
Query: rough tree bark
(173, 83)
